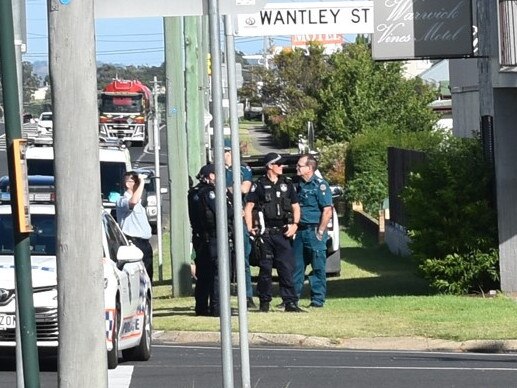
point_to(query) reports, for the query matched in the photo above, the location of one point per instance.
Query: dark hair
(311, 161)
(133, 175)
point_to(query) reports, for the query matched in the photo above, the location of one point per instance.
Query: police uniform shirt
(282, 188)
(314, 195)
(246, 175)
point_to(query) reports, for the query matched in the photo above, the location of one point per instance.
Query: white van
(114, 162)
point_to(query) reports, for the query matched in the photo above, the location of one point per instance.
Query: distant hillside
(41, 67)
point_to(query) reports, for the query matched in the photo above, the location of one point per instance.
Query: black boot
(264, 306)
(291, 307)
(250, 303)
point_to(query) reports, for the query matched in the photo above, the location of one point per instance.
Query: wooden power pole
(82, 346)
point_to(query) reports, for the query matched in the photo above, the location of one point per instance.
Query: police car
(127, 287)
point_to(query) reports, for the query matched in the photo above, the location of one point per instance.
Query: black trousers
(146, 247)
(278, 253)
(206, 292)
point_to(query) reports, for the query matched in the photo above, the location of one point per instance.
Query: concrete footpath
(379, 343)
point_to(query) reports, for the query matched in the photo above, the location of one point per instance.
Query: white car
(45, 125)
(128, 319)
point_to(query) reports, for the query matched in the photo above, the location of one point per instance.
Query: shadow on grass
(371, 270)
(169, 311)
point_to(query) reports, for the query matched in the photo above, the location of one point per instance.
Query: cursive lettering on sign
(434, 24)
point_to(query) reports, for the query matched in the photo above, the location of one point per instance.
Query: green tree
(31, 81)
(292, 84)
(359, 93)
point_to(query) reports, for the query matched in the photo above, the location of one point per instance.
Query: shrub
(332, 162)
(367, 162)
(452, 225)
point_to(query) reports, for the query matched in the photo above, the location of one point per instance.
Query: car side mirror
(129, 254)
(337, 191)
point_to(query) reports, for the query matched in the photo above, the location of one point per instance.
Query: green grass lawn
(377, 295)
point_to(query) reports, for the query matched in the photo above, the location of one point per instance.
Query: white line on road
(120, 377)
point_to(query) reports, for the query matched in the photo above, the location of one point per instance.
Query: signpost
(344, 17)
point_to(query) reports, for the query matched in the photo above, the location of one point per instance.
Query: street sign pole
(220, 195)
(22, 259)
(237, 203)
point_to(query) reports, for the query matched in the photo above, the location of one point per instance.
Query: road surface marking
(120, 377)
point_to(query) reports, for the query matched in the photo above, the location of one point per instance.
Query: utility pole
(26, 323)
(177, 156)
(237, 202)
(157, 178)
(220, 195)
(82, 361)
(194, 95)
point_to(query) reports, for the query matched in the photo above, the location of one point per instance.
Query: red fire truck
(125, 111)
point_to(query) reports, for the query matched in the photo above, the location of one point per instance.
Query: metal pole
(237, 201)
(24, 301)
(220, 192)
(19, 33)
(156, 136)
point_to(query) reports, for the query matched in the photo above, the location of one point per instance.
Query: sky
(118, 40)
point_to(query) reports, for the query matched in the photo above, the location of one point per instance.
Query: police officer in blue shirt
(275, 197)
(310, 244)
(246, 181)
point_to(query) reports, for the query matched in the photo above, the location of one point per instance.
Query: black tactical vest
(275, 201)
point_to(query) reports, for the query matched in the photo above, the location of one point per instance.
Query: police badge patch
(283, 187)
(323, 187)
(211, 195)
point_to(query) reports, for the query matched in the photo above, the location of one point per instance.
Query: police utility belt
(307, 226)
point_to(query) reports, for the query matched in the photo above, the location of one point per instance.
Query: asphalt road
(181, 366)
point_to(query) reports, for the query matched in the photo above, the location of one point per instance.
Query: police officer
(202, 215)
(246, 181)
(310, 244)
(274, 196)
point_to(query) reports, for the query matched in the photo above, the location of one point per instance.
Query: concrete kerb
(378, 343)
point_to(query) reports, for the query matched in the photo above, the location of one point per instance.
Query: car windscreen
(111, 174)
(40, 167)
(42, 239)
(111, 178)
(121, 104)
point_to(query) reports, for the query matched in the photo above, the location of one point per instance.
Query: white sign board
(111, 9)
(344, 17)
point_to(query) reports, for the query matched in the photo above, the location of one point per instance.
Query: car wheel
(142, 352)
(113, 353)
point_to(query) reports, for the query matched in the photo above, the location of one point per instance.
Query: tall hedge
(367, 162)
(451, 218)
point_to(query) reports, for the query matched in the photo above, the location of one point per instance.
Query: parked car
(45, 124)
(127, 287)
(150, 198)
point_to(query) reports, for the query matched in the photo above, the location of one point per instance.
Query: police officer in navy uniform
(202, 215)
(310, 244)
(275, 197)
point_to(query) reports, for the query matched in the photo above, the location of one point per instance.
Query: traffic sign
(109, 9)
(343, 17)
